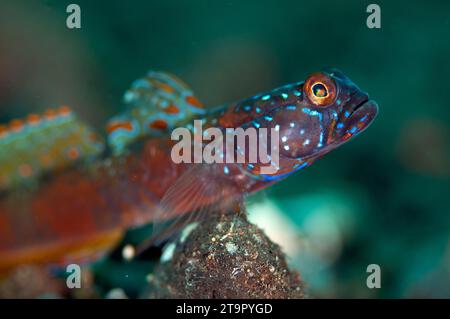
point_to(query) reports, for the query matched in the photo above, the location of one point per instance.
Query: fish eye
(320, 89)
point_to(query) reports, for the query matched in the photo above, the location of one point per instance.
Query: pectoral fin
(198, 193)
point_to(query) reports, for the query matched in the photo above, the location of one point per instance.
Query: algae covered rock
(224, 257)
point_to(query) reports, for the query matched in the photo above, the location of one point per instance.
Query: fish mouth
(359, 105)
(357, 101)
(364, 112)
(359, 115)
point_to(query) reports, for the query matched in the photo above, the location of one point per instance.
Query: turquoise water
(383, 198)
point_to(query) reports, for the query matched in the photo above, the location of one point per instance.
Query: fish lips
(361, 117)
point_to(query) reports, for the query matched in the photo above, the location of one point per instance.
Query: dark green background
(384, 196)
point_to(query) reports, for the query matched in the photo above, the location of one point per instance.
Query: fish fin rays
(154, 104)
(197, 192)
(43, 143)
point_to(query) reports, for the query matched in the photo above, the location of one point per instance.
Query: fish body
(82, 209)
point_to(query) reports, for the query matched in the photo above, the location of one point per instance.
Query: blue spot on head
(320, 144)
(265, 97)
(312, 112)
(268, 118)
(340, 125)
(226, 170)
(335, 115)
(291, 107)
(297, 93)
(306, 110)
(250, 166)
(284, 96)
(363, 118)
(247, 108)
(353, 129)
(338, 102)
(347, 114)
(258, 110)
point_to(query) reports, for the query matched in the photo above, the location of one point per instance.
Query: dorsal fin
(155, 104)
(42, 143)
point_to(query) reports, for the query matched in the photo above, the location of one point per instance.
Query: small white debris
(228, 233)
(186, 231)
(257, 238)
(116, 293)
(231, 247)
(235, 271)
(128, 252)
(150, 278)
(167, 252)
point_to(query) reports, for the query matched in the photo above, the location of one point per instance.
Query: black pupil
(319, 90)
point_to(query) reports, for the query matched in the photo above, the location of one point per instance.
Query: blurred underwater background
(381, 199)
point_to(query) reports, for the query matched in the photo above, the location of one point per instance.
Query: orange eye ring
(320, 89)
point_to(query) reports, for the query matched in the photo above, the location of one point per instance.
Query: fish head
(320, 114)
